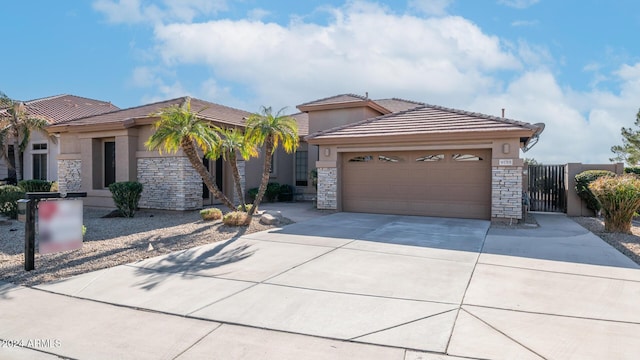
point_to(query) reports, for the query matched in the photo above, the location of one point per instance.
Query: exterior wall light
(505, 148)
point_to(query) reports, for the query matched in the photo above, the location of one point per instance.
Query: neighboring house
(427, 160)
(40, 155)
(382, 156)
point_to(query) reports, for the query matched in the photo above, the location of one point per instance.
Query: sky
(572, 64)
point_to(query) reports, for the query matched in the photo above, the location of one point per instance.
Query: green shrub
(272, 192)
(286, 192)
(632, 170)
(35, 185)
(9, 196)
(620, 198)
(582, 186)
(126, 195)
(211, 214)
(236, 218)
(253, 192)
(247, 206)
(313, 176)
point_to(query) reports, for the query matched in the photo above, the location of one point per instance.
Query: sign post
(32, 200)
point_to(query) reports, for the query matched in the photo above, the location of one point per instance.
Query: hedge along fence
(620, 198)
(583, 180)
(126, 195)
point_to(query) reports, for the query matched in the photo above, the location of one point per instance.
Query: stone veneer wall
(327, 188)
(170, 183)
(69, 175)
(506, 193)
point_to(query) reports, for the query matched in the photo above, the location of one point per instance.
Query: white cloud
(430, 7)
(518, 4)
(142, 11)
(432, 58)
(258, 14)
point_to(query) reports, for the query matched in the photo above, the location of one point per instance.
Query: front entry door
(207, 197)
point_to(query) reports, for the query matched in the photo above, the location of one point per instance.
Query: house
(40, 154)
(383, 156)
(424, 160)
(98, 150)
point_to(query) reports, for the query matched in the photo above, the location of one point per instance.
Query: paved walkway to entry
(348, 286)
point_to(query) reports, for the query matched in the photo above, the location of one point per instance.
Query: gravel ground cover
(115, 241)
(628, 244)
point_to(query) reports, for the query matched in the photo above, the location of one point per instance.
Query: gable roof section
(140, 114)
(60, 108)
(302, 119)
(424, 119)
(342, 101)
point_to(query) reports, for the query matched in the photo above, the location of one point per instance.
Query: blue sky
(574, 65)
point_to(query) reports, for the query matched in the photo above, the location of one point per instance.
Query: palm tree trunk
(268, 150)
(17, 161)
(236, 179)
(190, 150)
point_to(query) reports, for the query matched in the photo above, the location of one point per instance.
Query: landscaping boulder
(271, 217)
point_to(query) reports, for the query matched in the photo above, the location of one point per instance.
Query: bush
(8, 181)
(620, 198)
(35, 185)
(126, 195)
(285, 192)
(236, 218)
(55, 187)
(9, 196)
(272, 192)
(253, 192)
(582, 186)
(248, 206)
(632, 170)
(211, 214)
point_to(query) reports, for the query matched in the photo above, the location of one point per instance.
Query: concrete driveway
(413, 287)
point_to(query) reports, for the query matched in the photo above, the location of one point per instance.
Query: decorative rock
(268, 219)
(277, 214)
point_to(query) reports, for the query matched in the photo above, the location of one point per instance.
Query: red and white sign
(59, 226)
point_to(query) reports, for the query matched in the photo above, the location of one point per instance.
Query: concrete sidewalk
(347, 286)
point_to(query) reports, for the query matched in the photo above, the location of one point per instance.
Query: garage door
(451, 183)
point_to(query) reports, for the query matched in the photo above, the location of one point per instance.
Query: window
(365, 158)
(391, 159)
(302, 167)
(428, 158)
(272, 169)
(109, 163)
(466, 157)
(39, 161)
(39, 166)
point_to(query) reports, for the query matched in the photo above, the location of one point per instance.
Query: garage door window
(390, 159)
(466, 157)
(365, 158)
(429, 158)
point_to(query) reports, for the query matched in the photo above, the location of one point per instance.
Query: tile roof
(337, 99)
(425, 119)
(302, 118)
(396, 105)
(205, 109)
(66, 107)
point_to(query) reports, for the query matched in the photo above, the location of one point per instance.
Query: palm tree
(270, 130)
(233, 144)
(180, 128)
(15, 129)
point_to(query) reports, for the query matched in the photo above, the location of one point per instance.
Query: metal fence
(547, 189)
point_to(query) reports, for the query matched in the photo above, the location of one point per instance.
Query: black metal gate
(547, 190)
